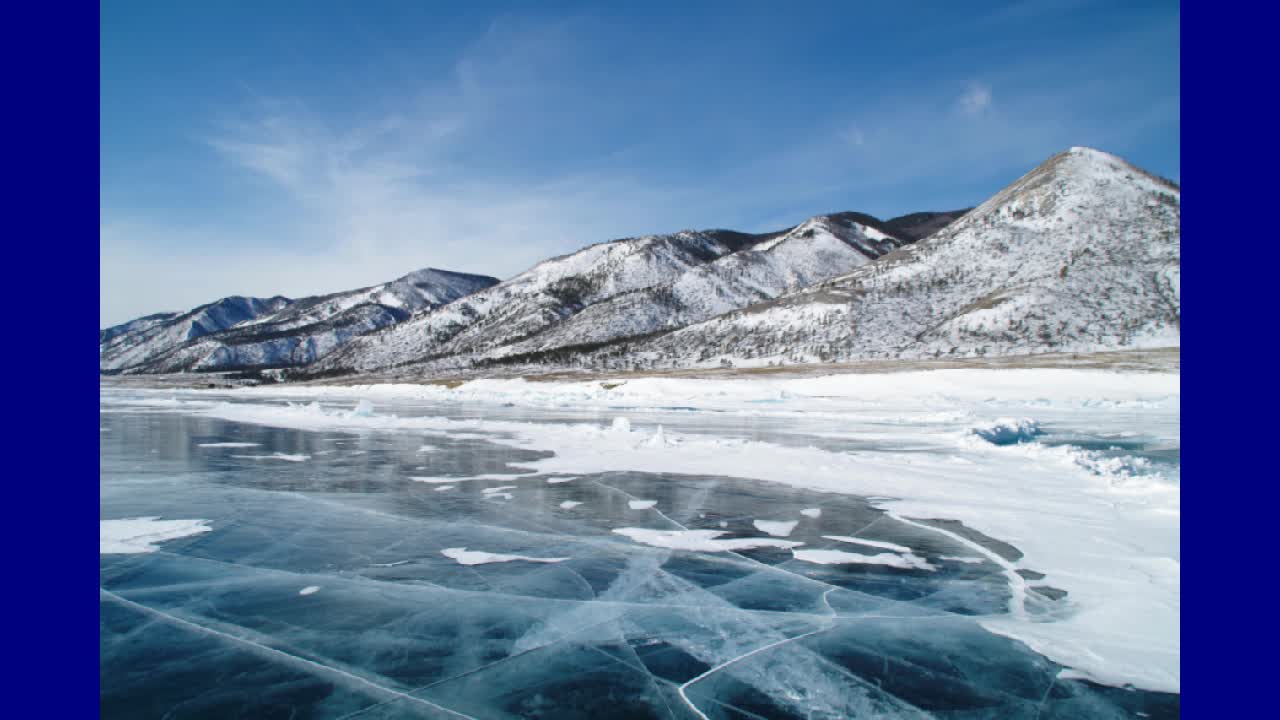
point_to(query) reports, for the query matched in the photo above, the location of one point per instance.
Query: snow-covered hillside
(300, 331)
(621, 289)
(1082, 253)
(819, 248)
(140, 341)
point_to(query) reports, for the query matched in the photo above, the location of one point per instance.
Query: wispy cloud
(376, 194)
(975, 100)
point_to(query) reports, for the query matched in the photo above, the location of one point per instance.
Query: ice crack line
(1017, 584)
(311, 665)
(733, 661)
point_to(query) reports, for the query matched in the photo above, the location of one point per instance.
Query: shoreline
(1158, 360)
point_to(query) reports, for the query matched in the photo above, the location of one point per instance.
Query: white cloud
(975, 100)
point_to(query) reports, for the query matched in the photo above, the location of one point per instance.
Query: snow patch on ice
(869, 543)
(309, 590)
(814, 513)
(840, 557)
(699, 540)
(464, 556)
(140, 535)
(275, 456)
(228, 444)
(642, 504)
(776, 528)
(570, 504)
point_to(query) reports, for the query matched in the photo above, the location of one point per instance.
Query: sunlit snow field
(952, 544)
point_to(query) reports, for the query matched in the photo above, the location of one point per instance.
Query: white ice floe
(840, 557)
(275, 456)
(140, 535)
(814, 513)
(497, 490)
(699, 540)
(776, 528)
(642, 504)
(570, 504)
(1009, 431)
(869, 543)
(476, 557)
(557, 480)
(228, 444)
(309, 590)
(442, 488)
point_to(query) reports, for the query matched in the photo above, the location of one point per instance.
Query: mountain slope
(815, 250)
(1081, 253)
(303, 330)
(620, 289)
(535, 299)
(133, 326)
(140, 341)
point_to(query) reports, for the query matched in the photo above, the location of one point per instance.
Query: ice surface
(309, 590)
(570, 504)
(140, 535)
(641, 504)
(685, 609)
(227, 445)
(814, 513)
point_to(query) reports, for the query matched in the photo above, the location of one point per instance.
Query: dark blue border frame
(1229, 486)
(50, 55)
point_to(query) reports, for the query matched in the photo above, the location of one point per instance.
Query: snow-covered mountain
(620, 289)
(283, 332)
(1082, 253)
(140, 341)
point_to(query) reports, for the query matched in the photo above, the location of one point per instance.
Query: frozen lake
(690, 550)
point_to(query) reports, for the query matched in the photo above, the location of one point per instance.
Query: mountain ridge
(1080, 253)
(287, 333)
(621, 288)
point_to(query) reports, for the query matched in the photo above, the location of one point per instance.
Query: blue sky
(301, 148)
